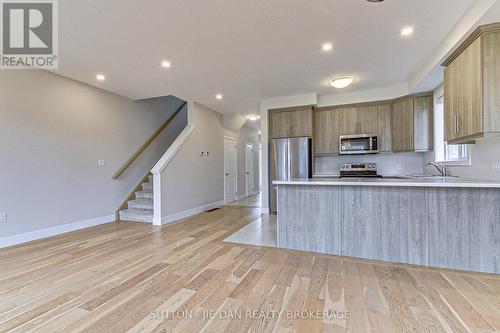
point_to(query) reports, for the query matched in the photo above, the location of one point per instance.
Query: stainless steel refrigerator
(291, 159)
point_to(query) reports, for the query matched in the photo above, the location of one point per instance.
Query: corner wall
(190, 182)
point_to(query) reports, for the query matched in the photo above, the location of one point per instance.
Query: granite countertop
(401, 181)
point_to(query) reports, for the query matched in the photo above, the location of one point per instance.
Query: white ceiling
(247, 50)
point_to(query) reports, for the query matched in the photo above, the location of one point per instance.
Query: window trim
(466, 161)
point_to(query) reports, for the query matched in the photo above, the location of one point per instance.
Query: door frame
(236, 166)
(248, 194)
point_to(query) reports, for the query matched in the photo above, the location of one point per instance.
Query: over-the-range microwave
(358, 144)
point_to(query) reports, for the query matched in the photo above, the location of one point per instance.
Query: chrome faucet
(442, 170)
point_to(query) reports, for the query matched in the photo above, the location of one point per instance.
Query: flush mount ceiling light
(342, 81)
(326, 47)
(218, 96)
(253, 117)
(407, 31)
(375, 0)
(165, 64)
(100, 77)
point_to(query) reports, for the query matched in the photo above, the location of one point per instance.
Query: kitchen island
(450, 223)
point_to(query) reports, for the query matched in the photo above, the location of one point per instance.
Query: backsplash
(387, 163)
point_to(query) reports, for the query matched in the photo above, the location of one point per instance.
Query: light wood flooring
(251, 201)
(132, 277)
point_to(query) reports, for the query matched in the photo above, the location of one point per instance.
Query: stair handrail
(148, 142)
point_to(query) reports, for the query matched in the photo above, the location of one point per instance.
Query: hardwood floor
(133, 277)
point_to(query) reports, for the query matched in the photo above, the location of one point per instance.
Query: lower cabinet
(456, 228)
(463, 230)
(384, 223)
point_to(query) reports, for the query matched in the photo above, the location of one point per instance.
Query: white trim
(190, 212)
(236, 167)
(53, 231)
(247, 193)
(163, 162)
(173, 149)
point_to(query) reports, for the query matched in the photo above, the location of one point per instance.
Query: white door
(230, 185)
(249, 172)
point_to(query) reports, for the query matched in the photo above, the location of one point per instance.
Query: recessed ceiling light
(342, 81)
(218, 96)
(165, 64)
(253, 117)
(100, 77)
(327, 47)
(407, 31)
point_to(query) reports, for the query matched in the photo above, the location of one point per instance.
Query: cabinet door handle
(456, 123)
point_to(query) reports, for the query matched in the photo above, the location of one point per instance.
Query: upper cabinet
(384, 127)
(291, 123)
(403, 125)
(472, 87)
(412, 124)
(361, 120)
(330, 123)
(326, 131)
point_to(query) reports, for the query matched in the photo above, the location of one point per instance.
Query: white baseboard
(190, 212)
(53, 231)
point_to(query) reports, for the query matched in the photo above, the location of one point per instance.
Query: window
(444, 153)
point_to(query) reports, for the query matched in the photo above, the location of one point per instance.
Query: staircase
(141, 208)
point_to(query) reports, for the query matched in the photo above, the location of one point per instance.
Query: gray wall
(52, 132)
(189, 180)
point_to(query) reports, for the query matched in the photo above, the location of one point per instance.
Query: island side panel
(384, 223)
(464, 229)
(309, 218)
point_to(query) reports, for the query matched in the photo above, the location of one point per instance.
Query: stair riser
(142, 195)
(134, 205)
(147, 186)
(127, 217)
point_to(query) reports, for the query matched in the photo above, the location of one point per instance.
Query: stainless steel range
(359, 170)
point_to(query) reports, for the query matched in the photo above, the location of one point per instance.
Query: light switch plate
(3, 217)
(101, 163)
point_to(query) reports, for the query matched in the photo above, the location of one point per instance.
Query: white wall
(52, 132)
(388, 164)
(190, 181)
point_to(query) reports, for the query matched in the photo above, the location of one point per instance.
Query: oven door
(358, 144)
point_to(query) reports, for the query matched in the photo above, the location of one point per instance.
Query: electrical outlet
(323, 167)
(3, 217)
(100, 163)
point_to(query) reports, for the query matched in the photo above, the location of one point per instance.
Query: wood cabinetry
(291, 123)
(472, 87)
(402, 125)
(361, 120)
(326, 131)
(412, 124)
(384, 127)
